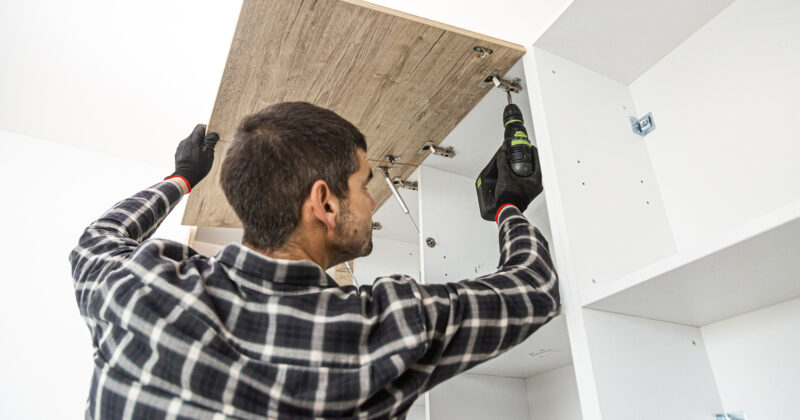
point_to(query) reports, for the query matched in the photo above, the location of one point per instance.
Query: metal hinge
(447, 152)
(730, 416)
(493, 79)
(409, 185)
(643, 126)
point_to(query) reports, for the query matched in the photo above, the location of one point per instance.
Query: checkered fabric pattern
(240, 335)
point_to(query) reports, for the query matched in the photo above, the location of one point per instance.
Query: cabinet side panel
(754, 358)
(553, 395)
(479, 397)
(650, 369)
(613, 211)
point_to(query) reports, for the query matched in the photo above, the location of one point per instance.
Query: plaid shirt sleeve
(110, 241)
(472, 321)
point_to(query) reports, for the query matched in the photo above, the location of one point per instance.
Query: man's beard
(352, 241)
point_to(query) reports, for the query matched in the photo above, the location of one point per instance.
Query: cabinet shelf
(751, 267)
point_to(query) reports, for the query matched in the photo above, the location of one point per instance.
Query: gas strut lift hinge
(447, 152)
(384, 170)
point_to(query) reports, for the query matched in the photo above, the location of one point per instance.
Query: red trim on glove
(184, 180)
(501, 209)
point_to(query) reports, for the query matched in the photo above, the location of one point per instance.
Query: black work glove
(195, 155)
(513, 189)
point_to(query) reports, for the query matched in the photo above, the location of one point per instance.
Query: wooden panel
(342, 275)
(400, 79)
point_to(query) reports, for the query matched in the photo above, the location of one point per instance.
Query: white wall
(479, 397)
(105, 75)
(51, 193)
(725, 101)
(754, 358)
(553, 395)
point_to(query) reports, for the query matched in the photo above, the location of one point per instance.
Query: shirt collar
(257, 268)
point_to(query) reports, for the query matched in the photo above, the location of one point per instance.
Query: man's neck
(290, 251)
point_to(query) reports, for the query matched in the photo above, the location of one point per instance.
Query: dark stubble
(352, 241)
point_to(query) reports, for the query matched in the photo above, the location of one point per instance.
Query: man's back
(177, 334)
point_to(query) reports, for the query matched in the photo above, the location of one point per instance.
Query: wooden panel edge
(444, 26)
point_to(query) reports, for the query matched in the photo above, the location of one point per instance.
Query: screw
(430, 242)
(484, 52)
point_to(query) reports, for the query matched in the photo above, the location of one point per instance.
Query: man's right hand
(513, 189)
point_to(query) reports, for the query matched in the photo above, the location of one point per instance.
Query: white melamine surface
(647, 369)
(388, 257)
(623, 38)
(417, 412)
(561, 250)
(466, 245)
(751, 267)
(549, 346)
(725, 148)
(613, 213)
(52, 193)
(754, 359)
(479, 397)
(553, 395)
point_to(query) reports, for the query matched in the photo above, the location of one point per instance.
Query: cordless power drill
(513, 173)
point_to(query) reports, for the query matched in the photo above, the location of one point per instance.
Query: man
(260, 330)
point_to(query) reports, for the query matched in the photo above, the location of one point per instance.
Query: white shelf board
(621, 39)
(549, 344)
(754, 266)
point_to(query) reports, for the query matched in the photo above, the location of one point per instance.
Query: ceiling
(621, 39)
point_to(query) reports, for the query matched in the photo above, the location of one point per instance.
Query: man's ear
(324, 205)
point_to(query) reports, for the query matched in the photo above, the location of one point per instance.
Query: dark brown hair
(276, 156)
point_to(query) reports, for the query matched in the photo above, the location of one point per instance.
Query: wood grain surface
(402, 80)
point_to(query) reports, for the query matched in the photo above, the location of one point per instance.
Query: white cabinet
(661, 237)
(678, 251)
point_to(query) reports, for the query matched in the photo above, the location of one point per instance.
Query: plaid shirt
(240, 335)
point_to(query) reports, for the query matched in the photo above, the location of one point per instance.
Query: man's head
(296, 176)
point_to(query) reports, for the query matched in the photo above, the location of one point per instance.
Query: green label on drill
(511, 121)
(479, 183)
(520, 141)
(521, 134)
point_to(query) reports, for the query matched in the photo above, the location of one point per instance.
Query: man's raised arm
(110, 240)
